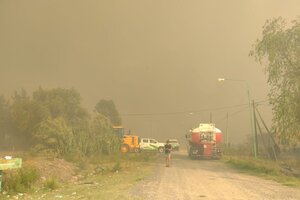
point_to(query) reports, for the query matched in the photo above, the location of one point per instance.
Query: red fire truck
(204, 141)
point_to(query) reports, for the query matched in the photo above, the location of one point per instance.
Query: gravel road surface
(208, 180)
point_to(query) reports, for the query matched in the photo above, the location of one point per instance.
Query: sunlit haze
(159, 61)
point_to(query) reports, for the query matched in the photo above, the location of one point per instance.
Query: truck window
(153, 141)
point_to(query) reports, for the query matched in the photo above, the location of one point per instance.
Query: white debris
(8, 157)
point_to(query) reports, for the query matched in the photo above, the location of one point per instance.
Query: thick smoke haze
(159, 61)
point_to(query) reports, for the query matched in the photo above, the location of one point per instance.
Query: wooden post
(227, 130)
(269, 132)
(255, 131)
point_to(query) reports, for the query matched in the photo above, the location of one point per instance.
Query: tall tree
(279, 52)
(5, 121)
(105, 141)
(108, 109)
(53, 135)
(64, 103)
(25, 115)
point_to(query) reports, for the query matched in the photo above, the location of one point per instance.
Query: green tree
(105, 141)
(64, 103)
(279, 52)
(27, 113)
(5, 121)
(108, 109)
(53, 135)
(25, 116)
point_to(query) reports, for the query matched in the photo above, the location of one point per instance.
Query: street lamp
(250, 110)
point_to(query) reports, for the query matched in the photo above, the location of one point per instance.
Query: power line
(183, 112)
(187, 112)
(232, 114)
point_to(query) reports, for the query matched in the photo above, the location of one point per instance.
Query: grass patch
(21, 180)
(264, 168)
(257, 166)
(51, 183)
(116, 167)
(107, 185)
(141, 157)
(98, 177)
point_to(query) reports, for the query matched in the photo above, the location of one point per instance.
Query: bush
(83, 164)
(20, 180)
(116, 167)
(258, 166)
(51, 183)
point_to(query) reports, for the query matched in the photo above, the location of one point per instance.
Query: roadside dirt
(54, 168)
(208, 179)
(185, 180)
(48, 167)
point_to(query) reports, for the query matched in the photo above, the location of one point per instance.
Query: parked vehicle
(118, 131)
(149, 144)
(129, 143)
(175, 144)
(204, 141)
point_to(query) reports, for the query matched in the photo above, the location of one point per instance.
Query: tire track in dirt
(208, 180)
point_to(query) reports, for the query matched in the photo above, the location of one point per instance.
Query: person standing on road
(168, 149)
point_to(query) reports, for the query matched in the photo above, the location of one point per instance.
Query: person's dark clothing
(168, 148)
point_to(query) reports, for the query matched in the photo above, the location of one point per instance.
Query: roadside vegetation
(278, 51)
(53, 122)
(21, 180)
(63, 145)
(47, 178)
(285, 170)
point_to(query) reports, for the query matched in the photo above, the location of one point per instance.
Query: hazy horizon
(159, 61)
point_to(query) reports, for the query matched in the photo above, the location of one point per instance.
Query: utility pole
(255, 127)
(250, 111)
(227, 130)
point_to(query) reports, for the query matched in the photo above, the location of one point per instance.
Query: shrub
(20, 180)
(254, 165)
(51, 183)
(116, 167)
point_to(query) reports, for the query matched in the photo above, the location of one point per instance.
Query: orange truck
(129, 143)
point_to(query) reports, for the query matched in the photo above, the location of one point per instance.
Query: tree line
(53, 121)
(279, 52)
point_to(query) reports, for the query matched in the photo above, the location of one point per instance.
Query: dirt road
(212, 180)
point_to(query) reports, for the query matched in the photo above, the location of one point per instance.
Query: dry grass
(264, 168)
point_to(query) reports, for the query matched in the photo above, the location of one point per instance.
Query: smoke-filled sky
(159, 61)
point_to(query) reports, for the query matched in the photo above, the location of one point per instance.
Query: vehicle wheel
(136, 150)
(124, 148)
(160, 149)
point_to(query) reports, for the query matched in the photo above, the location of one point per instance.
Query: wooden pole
(227, 130)
(255, 131)
(270, 135)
